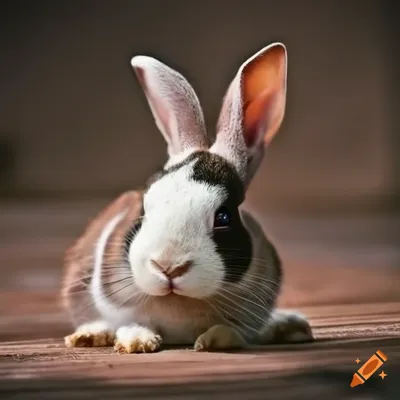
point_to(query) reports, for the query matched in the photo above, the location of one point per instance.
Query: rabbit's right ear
(253, 110)
(174, 105)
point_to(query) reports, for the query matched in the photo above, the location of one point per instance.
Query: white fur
(105, 307)
(93, 328)
(179, 235)
(179, 216)
(128, 334)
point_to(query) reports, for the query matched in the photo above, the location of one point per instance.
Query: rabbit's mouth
(173, 295)
(173, 290)
(170, 289)
(177, 292)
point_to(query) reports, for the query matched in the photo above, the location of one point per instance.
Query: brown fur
(78, 266)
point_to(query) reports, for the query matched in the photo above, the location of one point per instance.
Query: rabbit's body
(181, 262)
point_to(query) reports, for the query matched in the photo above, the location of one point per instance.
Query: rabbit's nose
(171, 271)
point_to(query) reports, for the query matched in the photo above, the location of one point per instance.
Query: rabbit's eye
(222, 218)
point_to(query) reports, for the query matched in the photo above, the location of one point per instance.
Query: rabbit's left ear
(253, 110)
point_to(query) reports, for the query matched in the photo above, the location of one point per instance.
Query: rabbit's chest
(183, 333)
(177, 324)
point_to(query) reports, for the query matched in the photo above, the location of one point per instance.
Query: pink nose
(172, 271)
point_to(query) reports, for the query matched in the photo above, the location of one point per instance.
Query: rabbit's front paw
(93, 334)
(287, 327)
(137, 339)
(220, 337)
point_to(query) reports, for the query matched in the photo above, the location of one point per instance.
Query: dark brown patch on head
(210, 169)
(216, 171)
(233, 244)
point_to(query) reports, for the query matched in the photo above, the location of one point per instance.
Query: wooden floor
(43, 368)
(350, 290)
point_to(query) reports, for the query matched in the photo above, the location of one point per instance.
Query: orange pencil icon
(368, 369)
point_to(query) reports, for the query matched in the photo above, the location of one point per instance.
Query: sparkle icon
(382, 374)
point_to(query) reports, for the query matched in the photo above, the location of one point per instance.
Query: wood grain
(322, 369)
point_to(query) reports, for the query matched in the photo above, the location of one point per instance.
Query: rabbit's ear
(253, 110)
(174, 105)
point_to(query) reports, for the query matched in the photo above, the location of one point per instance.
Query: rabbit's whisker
(105, 284)
(89, 277)
(247, 310)
(240, 324)
(104, 297)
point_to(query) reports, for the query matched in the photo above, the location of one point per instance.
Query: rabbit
(180, 262)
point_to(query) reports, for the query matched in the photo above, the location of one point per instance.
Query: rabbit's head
(191, 239)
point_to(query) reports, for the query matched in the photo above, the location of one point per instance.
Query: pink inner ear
(263, 83)
(256, 117)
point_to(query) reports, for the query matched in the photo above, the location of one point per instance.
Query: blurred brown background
(75, 129)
